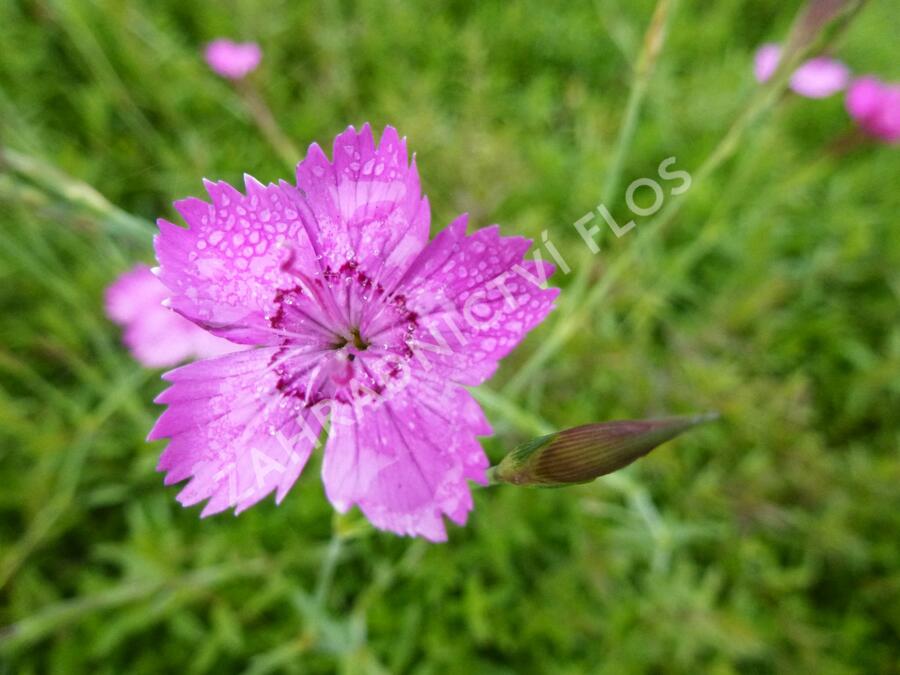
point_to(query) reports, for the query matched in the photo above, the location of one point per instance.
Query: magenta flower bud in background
(875, 105)
(817, 78)
(156, 336)
(233, 60)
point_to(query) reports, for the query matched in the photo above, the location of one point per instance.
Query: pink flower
(157, 336)
(817, 78)
(233, 60)
(876, 107)
(356, 316)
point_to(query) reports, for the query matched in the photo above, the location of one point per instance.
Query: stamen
(358, 342)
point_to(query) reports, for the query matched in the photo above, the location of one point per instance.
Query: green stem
(654, 39)
(652, 46)
(581, 306)
(326, 570)
(79, 194)
(265, 120)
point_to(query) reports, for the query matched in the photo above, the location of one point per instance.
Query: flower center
(358, 341)
(355, 339)
(365, 332)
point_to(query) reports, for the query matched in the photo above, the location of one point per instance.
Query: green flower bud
(581, 454)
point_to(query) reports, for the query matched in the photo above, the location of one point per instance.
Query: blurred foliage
(765, 543)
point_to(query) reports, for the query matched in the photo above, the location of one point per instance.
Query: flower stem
(265, 120)
(581, 306)
(652, 46)
(51, 181)
(327, 568)
(654, 39)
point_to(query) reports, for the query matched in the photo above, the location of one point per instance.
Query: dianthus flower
(156, 336)
(358, 321)
(819, 77)
(875, 105)
(234, 60)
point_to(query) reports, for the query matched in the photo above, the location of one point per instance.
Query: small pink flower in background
(766, 61)
(875, 105)
(157, 336)
(817, 78)
(233, 60)
(358, 318)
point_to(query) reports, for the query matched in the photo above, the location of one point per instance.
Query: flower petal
(233, 60)
(227, 267)
(765, 61)
(367, 203)
(476, 297)
(155, 335)
(820, 77)
(406, 462)
(864, 97)
(232, 431)
(875, 105)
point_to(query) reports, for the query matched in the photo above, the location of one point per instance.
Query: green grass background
(766, 543)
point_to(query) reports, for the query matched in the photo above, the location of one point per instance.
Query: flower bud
(581, 454)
